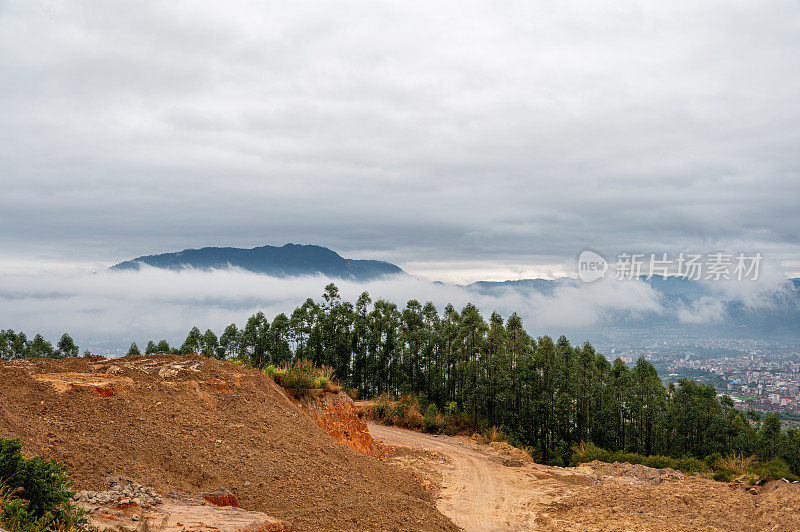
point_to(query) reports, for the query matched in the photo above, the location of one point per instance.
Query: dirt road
(480, 493)
(484, 489)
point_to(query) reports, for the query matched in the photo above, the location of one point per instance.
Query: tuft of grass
(302, 377)
(738, 463)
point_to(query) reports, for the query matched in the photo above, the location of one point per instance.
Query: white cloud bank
(106, 310)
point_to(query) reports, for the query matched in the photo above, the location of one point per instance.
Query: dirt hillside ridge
(193, 424)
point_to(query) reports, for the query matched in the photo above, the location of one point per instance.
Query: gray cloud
(454, 133)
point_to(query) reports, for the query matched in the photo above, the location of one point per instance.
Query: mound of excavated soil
(193, 424)
(690, 503)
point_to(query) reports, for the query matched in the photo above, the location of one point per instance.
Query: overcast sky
(460, 140)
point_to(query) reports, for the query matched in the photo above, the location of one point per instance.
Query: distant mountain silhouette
(779, 314)
(543, 286)
(284, 261)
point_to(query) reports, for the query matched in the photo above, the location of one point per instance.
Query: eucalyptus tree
(209, 345)
(193, 342)
(230, 341)
(66, 347)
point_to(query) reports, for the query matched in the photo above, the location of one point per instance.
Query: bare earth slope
(483, 489)
(193, 424)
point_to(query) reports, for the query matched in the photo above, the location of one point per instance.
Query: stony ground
(127, 505)
(191, 425)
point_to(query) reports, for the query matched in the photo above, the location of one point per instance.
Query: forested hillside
(544, 393)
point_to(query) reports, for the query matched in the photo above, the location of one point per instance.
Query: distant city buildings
(755, 373)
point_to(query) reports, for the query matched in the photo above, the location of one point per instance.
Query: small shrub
(331, 387)
(406, 412)
(688, 465)
(711, 459)
(723, 476)
(589, 452)
(432, 420)
(381, 409)
(271, 372)
(775, 469)
(660, 462)
(35, 494)
(494, 434)
(297, 377)
(738, 463)
(302, 377)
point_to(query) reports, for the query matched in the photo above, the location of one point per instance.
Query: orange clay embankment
(337, 415)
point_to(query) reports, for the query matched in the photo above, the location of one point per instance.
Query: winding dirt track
(478, 492)
(482, 489)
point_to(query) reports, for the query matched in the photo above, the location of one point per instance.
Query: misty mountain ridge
(779, 314)
(289, 260)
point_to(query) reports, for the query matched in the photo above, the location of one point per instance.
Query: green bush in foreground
(35, 493)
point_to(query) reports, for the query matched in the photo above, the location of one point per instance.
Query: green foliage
(66, 347)
(775, 469)
(723, 476)
(134, 350)
(160, 348)
(39, 348)
(302, 377)
(711, 459)
(406, 412)
(588, 452)
(270, 371)
(298, 377)
(433, 421)
(35, 494)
